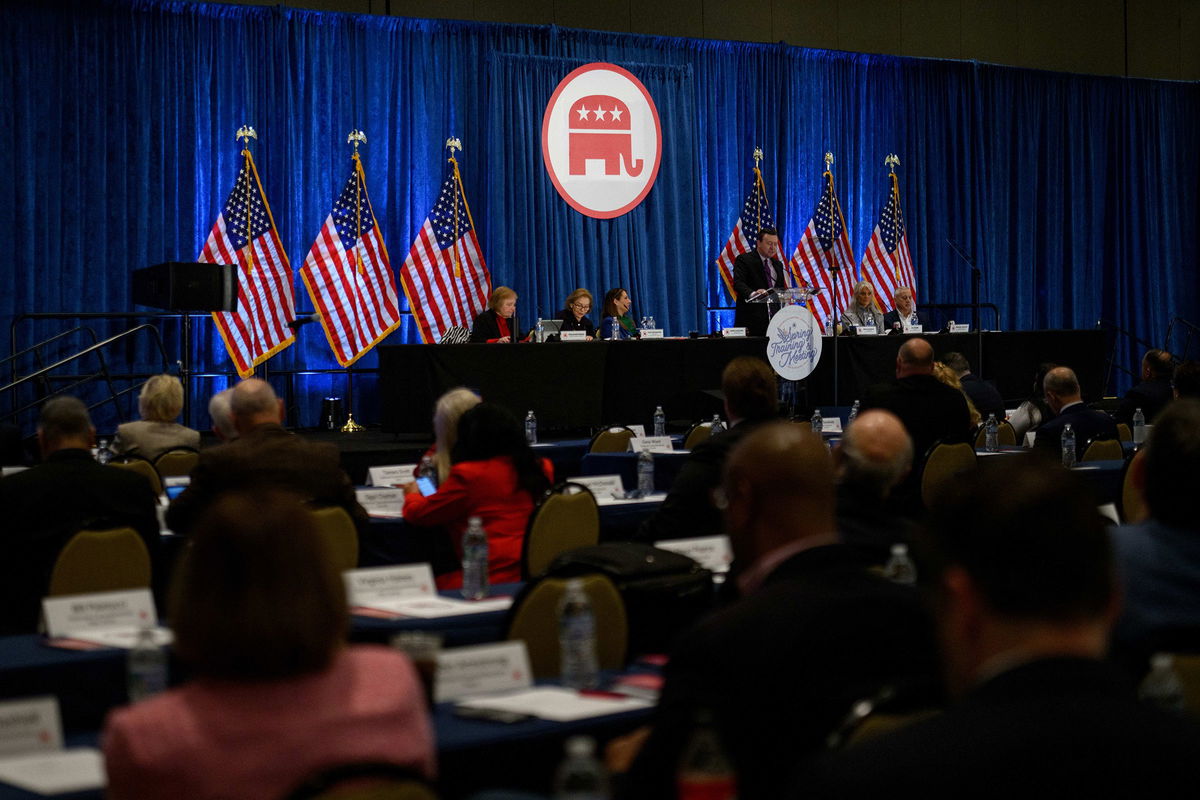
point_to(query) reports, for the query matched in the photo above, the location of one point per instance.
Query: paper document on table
(436, 607)
(76, 770)
(653, 497)
(558, 704)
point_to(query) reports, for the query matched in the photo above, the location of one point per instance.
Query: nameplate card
(481, 669)
(391, 475)
(638, 430)
(104, 611)
(655, 444)
(383, 502)
(711, 552)
(602, 486)
(1109, 512)
(866, 330)
(733, 333)
(6, 471)
(652, 333)
(573, 336)
(176, 480)
(374, 585)
(914, 328)
(80, 769)
(831, 425)
(30, 726)
(960, 327)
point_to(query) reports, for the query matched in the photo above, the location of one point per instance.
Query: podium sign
(794, 345)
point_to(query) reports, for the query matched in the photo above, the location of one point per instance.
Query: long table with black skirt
(574, 385)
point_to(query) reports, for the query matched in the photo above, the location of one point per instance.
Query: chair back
(142, 467)
(457, 334)
(944, 462)
(176, 462)
(337, 531)
(1187, 667)
(1005, 434)
(101, 561)
(1124, 433)
(1132, 507)
(697, 434)
(534, 620)
(567, 518)
(1104, 450)
(611, 440)
(364, 781)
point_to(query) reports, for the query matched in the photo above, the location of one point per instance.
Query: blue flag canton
(755, 211)
(352, 198)
(828, 222)
(449, 215)
(245, 208)
(891, 223)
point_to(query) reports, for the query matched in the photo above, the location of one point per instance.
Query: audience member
(874, 456)
(221, 412)
(275, 695)
(751, 398)
(1033, 410)
(447, 411)
(1024, 596)
(494, 475)
(929, 409)
(949, 377)
(1186, 381)
(44, 506)
(1063, 397)
(982, 393)
(814, 632)
(264, 455)
(1153, 393)
(159, 404)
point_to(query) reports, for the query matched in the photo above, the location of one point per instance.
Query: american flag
(756, 214)
(349, 275)
(444, 277)
(244, 234)
(886, 262)
(824, 244)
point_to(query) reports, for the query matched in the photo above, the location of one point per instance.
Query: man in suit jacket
(755, 272)
(813, 632)
(43, 507)
(905, 312)
(1154, 391)
(265, 455)
(1024, 595)
(984, 395)
(1063, 396)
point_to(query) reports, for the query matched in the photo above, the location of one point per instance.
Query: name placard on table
(960, 327)
(866, 330)
(602, 486)
(733, 333)
(655, 444)
(913, 328)
(573, 336)
(374, 585)
(30, 726)
(108, 619)
(652, 333)
(390, 475)
(482, 669)
(384, 502)
(711, 552)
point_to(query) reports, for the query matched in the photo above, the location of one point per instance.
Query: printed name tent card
(482, 669)
(391, 475)
(110, 619)
(382, 587)
(384, 503)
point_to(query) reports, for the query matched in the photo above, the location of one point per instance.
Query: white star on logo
(616, 114)
(583, 112)
(600, 113)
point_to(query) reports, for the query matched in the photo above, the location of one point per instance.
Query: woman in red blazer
(494, 476)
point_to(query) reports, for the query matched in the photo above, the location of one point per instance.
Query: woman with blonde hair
(159, 404)
(574, 316)
(949, 377)
(446, 413)
(497, 323)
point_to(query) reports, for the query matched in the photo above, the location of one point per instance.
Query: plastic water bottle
(716, 427)
(991, 441)
(577, 638)
(645, 472)
(541, 331)
(1068, 446)
(581, 776)
(704, 770)
(146, 667)
(103, 453)
(651, 323)
(818, 424)
(1162, 686)
(475, 560)
(900, 568)
(531, 427)
(1139, 427)
(427, 469)
(853, 414)
(660, 422)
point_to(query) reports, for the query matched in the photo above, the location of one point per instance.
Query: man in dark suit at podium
(753, 273)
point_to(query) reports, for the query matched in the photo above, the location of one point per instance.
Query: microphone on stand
(896, 327)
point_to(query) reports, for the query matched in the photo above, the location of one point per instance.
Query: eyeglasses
(582, 306)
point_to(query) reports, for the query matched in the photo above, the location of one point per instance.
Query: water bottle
(1068, 446)
(428, 468)
(716, 427)
(103, 453)
(1162, 686)
(853, 414)
(991, 441)
(581, 776)
(1139, 427)
(818, 424)
(704, 770)
(541, 331)
(475, 560)
(660, 422)
(577, 638)
(645, 472)
(146, 667)
(651, 323)
(900, 568)
(531, 427)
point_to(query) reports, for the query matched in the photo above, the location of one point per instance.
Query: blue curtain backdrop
(1077, 195)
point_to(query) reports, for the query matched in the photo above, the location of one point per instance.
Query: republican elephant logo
(600, 129)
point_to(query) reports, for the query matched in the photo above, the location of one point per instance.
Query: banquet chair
(101, 561)
(943, 463)
(367, 780)
(337, 531)
(142, 467)
(567, 518)
(1132, 507)
(176, 462)
(614, 439)
(1124, 433)
(1005, 435)
(1103, 450)
(534, 620)
(697, 434)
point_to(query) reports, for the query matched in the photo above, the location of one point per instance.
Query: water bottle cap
(899, 549)
(581, 746)
(1162, 661)
(474, 522)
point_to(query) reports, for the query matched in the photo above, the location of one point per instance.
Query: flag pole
(452, 144)
(834, 269)
(892, 161)
(246, 133)
(355, 138)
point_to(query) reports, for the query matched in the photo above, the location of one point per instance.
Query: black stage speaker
(179, 286)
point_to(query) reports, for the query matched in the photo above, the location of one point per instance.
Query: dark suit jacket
(485, 328)
(748, 276)
(869, 524)
(1150, 396)
(984, 395)
(569, 323)
(43, 507)
(929, 409)
(267, 457)
(1086, 423)
(782, 667)
(1063, 727)
(893, 316)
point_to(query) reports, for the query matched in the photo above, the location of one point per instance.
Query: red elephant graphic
(599, 129)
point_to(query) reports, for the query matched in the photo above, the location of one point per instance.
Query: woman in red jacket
(494, 476)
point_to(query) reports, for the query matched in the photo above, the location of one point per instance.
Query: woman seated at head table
(862, 311)
(495, 323)
(446, 412)
(617, 323)
(574, 317)
(159, 404)
(494, 476)
(275, 694)
(905, 312)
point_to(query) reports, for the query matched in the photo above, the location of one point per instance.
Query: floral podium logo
(794, 343)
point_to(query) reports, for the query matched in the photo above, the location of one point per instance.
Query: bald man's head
(1061, 388)
(254, 403)
(876, 452)
(915, 358)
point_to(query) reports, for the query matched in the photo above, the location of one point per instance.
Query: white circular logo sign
(602, 140)
(794, 343)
